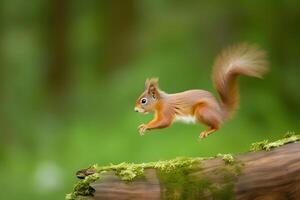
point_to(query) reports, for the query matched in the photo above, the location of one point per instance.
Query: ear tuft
(151, 82)
(147, 82)
(152, 86)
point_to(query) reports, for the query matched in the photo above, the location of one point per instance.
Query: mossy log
(273, 174)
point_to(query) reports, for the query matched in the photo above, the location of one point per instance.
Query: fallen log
(271, 172)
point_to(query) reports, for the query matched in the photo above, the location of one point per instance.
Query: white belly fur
(188, 119)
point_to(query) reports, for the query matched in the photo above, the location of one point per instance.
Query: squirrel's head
(149, 98)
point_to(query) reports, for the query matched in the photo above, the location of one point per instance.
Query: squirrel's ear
(147, 82)
(152, 87)
(151, 82)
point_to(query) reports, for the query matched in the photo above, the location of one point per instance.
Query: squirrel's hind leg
(209, 117)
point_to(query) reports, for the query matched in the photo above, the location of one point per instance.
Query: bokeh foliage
(70, 72)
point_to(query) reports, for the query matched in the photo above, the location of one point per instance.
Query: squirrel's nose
(136, 110)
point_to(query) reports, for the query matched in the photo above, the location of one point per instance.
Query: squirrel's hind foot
(207, 132)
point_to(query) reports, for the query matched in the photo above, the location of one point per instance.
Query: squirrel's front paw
(142, 129)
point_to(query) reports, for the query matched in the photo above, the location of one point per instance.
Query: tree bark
(58, 72)
(259, 175)
(120, 19)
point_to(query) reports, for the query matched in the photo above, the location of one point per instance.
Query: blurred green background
(70, 73)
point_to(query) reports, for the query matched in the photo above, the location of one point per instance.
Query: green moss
(83, 188)
(226, 192)
(227, 158)
(175, 181)
(126, 171)
(129, 171)
(175, 164)
(267, 146)
(258, 146)
(188, 182)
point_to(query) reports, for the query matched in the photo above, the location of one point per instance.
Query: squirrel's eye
(143, 100)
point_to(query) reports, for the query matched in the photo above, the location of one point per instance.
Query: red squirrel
(200, 106)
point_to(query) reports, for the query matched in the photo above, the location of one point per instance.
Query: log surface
(270, 175)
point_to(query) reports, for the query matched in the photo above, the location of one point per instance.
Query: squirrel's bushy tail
(242, 59)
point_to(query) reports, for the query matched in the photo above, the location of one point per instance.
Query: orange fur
(200, 105)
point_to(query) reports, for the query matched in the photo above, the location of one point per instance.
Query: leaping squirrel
(200, 106)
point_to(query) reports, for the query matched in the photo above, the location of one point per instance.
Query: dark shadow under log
(259, 175)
